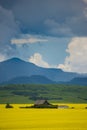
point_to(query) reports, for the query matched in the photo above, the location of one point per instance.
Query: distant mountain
(34, 79)
(79, 81)
(16, 67)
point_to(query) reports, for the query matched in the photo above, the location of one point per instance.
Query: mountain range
(18, 71)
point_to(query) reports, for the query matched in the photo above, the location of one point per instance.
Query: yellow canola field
(43, 119)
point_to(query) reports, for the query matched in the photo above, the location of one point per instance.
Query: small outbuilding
(63, 107)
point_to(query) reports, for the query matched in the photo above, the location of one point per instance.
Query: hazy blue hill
(16, 67)
(34, 79)
(79, 81)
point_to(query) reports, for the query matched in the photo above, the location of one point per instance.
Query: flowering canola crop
(43, 119)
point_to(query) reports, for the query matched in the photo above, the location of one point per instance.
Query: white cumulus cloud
(77, 59)
(38, 60)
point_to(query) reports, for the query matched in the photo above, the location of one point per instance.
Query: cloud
(8, 28)
(35, 16)
(2, 57)
(77, 59)
(85, 1)
(60, 17)
(58, 29)
(38, 60)
(8, 25)
(27, 40)
(85, 11)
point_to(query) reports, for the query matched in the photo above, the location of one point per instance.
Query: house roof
(39, 102)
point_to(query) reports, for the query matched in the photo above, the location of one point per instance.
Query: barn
(43, 104)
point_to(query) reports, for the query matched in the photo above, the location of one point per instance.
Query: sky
(48, 33)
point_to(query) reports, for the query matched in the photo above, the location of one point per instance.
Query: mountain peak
(14, 59)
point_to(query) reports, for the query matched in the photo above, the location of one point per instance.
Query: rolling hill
(34, 79)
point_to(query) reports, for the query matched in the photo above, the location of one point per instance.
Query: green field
(53, 93)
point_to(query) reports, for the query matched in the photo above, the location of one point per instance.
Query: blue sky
(49, 33)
